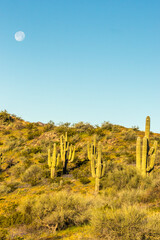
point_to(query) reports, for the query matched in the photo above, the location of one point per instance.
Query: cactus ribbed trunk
(97, 184)
(138, 153)
(53, 161)
(97, 165)
(144, 156)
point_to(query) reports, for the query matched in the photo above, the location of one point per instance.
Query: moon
(19, 36)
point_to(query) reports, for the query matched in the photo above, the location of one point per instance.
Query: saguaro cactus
(145, 155)
(92, 149)
(53, 161)
(67, 152)
(97, 166)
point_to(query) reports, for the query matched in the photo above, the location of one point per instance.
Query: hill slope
(34, 206)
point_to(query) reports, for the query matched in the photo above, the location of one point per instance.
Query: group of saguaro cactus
(67, 153)
(97, 164)
(145, 155)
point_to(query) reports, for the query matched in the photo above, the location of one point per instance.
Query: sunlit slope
(25, 175)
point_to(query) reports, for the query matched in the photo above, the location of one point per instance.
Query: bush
(130, 135)
(81, 172)
(59, 210)
(107, 126)
(3, 234)
(49, 126)
(84, 180)
(19, 169)
(33, 133)
(4, 189)
(124, 223)
(32, 175)
(122, 177)
(5, 117)
(8, 187)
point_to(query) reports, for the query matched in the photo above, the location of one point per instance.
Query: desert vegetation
(78, 181)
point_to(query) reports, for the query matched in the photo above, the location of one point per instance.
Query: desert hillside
(34, 205)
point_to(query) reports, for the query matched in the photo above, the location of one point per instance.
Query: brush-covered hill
(34, 206)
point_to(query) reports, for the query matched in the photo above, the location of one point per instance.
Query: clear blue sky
(81, 60)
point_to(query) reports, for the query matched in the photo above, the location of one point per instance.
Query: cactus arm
(54, 154)
(147, 127)
(93, 170)
(99, 164)
(151, 151)
(94, 143)
(73, 154)
(70, 152)
(58, 159)
(66, 138)
(49, 157)
(152, 158)
(103, 169)
(61, 147)
(138, 153)
(89, 149)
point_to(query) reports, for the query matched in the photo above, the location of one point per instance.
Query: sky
(81, 60)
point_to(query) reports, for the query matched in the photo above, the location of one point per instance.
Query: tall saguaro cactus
(53, 161)
(97, 166)
(67, 152)
(145, 155)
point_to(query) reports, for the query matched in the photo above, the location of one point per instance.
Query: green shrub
(121, 177)
(84, 180)
(4, 189)
(3, 234)
(81, 172)
(32, 175)
(49, 126)
(30, 126)
(114, 200)
(107, 126)
(18, 170)
(59, 209)
(5, 117)
(33, 133)
(115, 129)
(152, 228)
(130, 135)
(125, 223)
(8, 187)
(6, 132)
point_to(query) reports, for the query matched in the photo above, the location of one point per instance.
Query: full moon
(19, 36)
